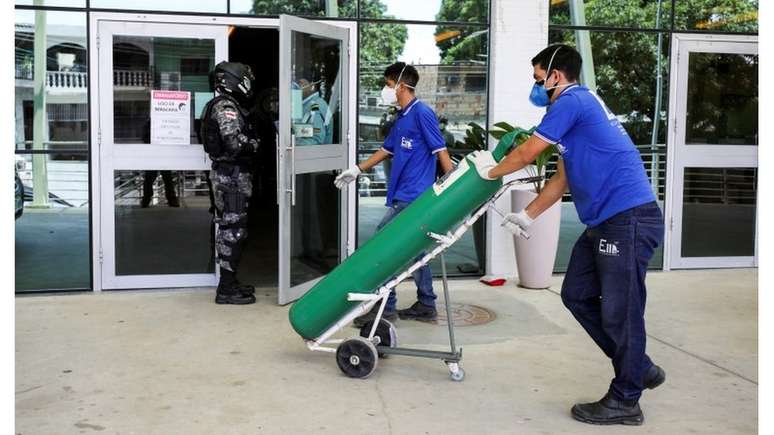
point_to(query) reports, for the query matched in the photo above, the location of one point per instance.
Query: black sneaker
(654, 377)
(388, 314)
(418, 311)
(608, 410)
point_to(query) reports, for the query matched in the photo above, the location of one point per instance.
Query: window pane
(61, 49)
(713, 197)
(462, 11)
(52, 222)
(168, 5)
(717, 15)
(315, 232)
(142, 66)
(722, 102)
(635, 14)
(452, 65)
(315, 103)
(309, 8)
(163, 223)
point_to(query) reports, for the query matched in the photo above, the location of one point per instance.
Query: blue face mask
(539, 95)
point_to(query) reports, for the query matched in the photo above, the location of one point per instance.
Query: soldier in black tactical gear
(230, 140)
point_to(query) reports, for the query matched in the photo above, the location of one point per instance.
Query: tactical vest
(209, 132)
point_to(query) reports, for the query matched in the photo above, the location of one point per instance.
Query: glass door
(714, 152)
(155, 222)
(312, 149)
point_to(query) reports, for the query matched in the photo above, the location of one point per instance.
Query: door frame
(96, 182)
(678, 156)
(296, 160)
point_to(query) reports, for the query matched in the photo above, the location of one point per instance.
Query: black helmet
(235, 79)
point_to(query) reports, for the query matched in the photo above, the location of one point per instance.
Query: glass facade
(163, 223)
(51, 151)
(626, 54)
(452, 64)
(447, 40)
(626, 42)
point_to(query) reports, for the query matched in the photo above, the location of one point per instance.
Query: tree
(380, 43)
(462, 43)
(625, 61)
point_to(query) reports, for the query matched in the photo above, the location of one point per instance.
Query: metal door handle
(277, 167)
(292, 149)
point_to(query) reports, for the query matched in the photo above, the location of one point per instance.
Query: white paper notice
(171, 117)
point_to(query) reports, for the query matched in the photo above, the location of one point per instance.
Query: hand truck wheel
(357, 357)
(456, 373)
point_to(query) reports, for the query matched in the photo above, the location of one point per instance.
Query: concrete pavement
(173, 362)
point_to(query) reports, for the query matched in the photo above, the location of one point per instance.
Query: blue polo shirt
(413, 142)
(604, 170)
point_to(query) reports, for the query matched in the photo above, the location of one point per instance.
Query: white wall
(519, 30)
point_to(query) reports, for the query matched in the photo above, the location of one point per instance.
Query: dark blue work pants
(604, 288)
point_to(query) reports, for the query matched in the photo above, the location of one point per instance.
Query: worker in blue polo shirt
(604, 287)
(415, 144)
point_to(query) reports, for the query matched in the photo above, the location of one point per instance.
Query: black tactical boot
(419, 311)
(228, 291)
(245, 289)
(654, 377)
(609, 410)
(387, 314)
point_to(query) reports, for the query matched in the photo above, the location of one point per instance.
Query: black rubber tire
(357, 357)
(385, 331)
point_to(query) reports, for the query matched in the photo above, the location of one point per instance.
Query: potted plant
(535, 256)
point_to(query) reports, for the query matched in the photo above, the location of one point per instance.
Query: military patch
(230, 114)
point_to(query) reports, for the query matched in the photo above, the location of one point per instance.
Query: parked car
(20, 165)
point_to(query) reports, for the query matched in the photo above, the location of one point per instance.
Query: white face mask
(389, 97)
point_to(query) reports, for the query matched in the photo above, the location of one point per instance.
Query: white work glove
(517, 223)
(484, 162)
(347, 177)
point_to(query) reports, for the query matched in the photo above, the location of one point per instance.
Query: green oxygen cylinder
(391, 250)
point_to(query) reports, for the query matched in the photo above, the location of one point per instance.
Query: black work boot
(419, 311)
(654, 377)
(228, 291)
(245, 289)
(387, 314)
(609, 410)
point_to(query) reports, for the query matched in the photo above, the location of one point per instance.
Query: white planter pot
(535, 256)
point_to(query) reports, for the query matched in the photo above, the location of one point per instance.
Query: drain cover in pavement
(465, 315)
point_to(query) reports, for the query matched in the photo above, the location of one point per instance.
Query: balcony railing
(69, 80)
(132, 78)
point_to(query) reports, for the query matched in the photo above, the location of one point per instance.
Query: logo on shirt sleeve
(561, 148)
(406, 143)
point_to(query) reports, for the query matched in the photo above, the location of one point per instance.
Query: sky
(420, 45)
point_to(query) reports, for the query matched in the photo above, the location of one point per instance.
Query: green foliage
(380, 44)
(347, 8)
(476, 139)
(501, 129)
(625, 61)
(471, 42)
